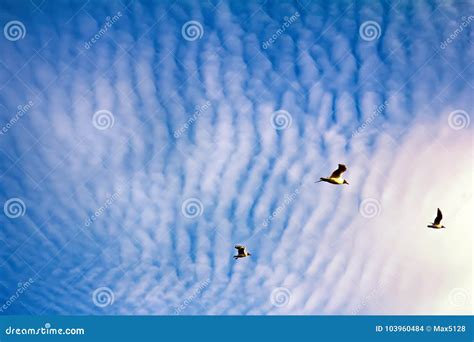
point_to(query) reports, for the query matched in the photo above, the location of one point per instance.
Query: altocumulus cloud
(192, 119)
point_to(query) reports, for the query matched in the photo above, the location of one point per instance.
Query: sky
(141, 141)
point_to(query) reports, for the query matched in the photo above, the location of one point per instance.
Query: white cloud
(330, 258)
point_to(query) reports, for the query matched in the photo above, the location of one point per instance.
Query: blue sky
(141, 141)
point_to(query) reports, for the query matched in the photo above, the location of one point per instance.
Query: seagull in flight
(437, 221)
(335, 177)
(241, 252)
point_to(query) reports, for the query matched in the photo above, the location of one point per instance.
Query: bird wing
(337, 173)
(439, 217)
(240, 249)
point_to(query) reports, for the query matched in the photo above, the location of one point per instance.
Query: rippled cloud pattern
(141, 141)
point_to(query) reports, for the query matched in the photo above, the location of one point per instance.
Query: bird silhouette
(336, 176)
(241, 252)
(437, 221)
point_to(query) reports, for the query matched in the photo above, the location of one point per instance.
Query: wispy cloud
(176, 135)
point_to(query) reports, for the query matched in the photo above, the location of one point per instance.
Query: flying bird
(335, 177)
(437, 221)
(241, 252)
